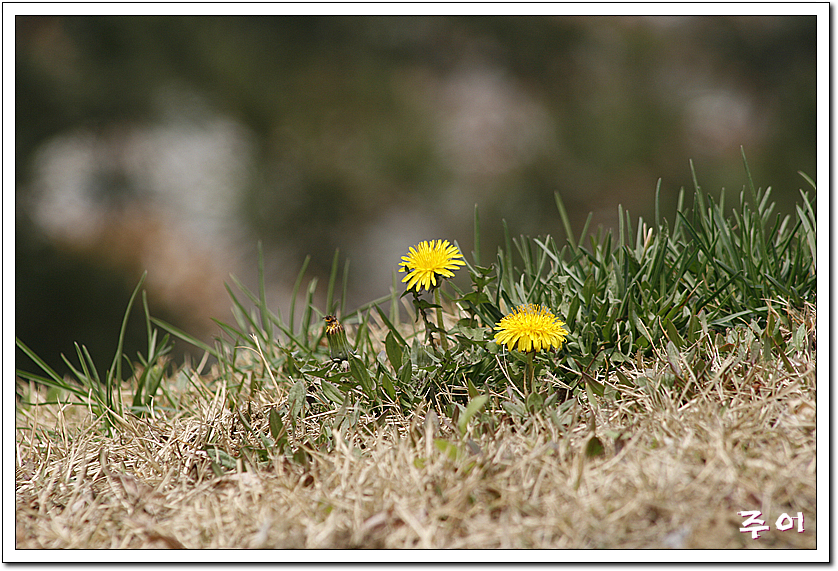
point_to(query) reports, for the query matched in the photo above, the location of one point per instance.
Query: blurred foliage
(352, 118)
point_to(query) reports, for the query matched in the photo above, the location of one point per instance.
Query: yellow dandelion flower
(429, 261)
(532, 327)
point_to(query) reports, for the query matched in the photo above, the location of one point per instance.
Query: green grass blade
(151, 334)
(194, 341)
(621, 239)
(330, 289)
(475, 254)
(394, 300)
(474, 406)
(83, 376)
(695, 182)
(345, 285)
(809, 222)
(658, 204)
(84, 357)
(750, 178)
(296, 289)
(243, 317)
(390, 326)
(264, 312)
(679, 208)
(55, 377)
(808, 179)
(236, 335)
(565, 220)
(585, 229)
(114, 374)
(51, 382)
(295, 340)
(305, 324)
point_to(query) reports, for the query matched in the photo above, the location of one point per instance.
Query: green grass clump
(683, 392)
(691, 293)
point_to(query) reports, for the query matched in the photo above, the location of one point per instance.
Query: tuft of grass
(685, 393)
(103, 395)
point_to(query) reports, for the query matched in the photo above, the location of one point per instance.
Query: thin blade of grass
(330, 289)
(56, 378)
(658, 204)
(584, 232)
(296, 289)
(115, 372)
(192, 340)
(390, 326)
(242, 316)
(475, 254)
(345, 285)
(305, 324)
(264, 312)
(394, 300)
(50, 382)
(565, 219)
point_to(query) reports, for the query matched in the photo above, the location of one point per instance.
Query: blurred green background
(174, 144)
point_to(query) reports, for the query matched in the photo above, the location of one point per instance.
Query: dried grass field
(671, 472)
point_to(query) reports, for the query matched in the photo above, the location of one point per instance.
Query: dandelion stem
(420, 311)
(443, 338)
(530, 376)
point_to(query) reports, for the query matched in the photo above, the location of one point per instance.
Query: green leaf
(474, 406)
(673, 334)
(588, 289)
(623, 378)
(642, 328)
(387, 384)
(672, 357)
(189, 339)
(331, 392)
(597, 387)
(514, 408)
(472, 390)
(785, 359)
(449, 449)
(394, 351)
(360, 374)
(296, 398)
(594, 447)
(221, 457)
(56, 379)
(406, 372)
(591, 397)
(275, 424)
(799, 339)
(535, 402)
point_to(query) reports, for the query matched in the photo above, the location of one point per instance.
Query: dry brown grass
(673, 474)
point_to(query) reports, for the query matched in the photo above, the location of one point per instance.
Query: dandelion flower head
(429, 261)
(333, 326)
(532, 328)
